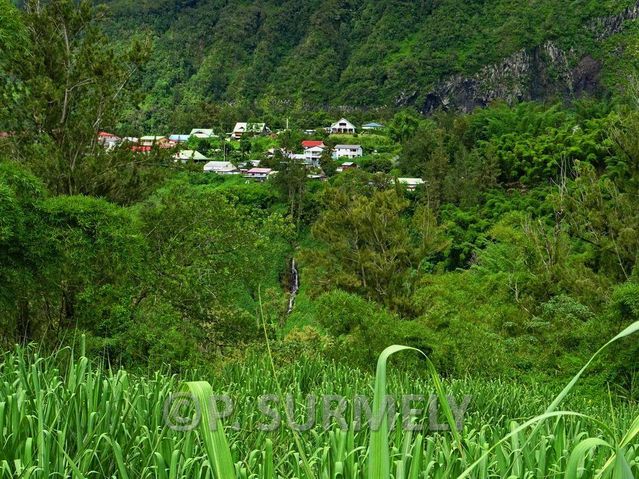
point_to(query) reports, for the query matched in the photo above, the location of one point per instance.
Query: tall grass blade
(378, 453)
(579, 453)
(633, 328)
(217, 447)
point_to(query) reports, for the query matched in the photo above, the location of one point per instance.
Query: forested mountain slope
(428, 53)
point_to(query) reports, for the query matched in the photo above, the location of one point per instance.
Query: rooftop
(219, 166)
(179, 137)
(190, 155)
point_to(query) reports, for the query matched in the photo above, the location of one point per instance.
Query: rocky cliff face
(607, 26)
(545, 72)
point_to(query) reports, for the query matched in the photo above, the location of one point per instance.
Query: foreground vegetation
(507, 268)
(64, 416)
(516, 256)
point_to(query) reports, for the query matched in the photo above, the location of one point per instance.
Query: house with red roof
(108, 140)
(312, 144)
(313, 151)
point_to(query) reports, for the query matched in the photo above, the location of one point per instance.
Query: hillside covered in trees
(283, 56)
(487, 221)
(515, 252)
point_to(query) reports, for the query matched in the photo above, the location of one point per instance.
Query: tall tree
(365, 245)
(14, 41)
(291, 181)
(76, 83)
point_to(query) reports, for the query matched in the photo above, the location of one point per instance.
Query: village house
(347, 151)
(258, 174)
(313, 155)
(190, 155)
(411, 184)
(221, 168)
(343, 126)
(372, 126)
(244, 128)
(203, 133)
(316, 177)
(141, 149)
(349, 165)
(312, 144)
(313, 150)
(160, 141)
(177, 139)
(108, 140)
(297, 156)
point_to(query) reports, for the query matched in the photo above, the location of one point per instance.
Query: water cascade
(294, 286)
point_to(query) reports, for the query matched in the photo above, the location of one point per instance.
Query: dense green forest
(516, 256)
(509, 267)
(279, 58)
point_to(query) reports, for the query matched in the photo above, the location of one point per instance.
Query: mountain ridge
(428, 54)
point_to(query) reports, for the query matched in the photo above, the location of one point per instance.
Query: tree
(327, 163)
(95, 267)
(365, 246)
(360, 328)
(290, 140)
(75, 83)
(14, 41)
(430, 237)
(604, 218)
(291, 180)
(245, 147)
(425, 156)
(419, 149)
(20, 255)
(209, 256)
(403, 126)
(66, 261)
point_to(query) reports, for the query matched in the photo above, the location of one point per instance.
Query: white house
(243, 128)
(342, 126)
(313, 155)
(190, 155)
(372, 126)
(259, 174)
(347, 151)
(411, 184)
(203, 133)
(221, 168)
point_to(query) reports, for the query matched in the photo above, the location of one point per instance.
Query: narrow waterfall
(294, 286)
